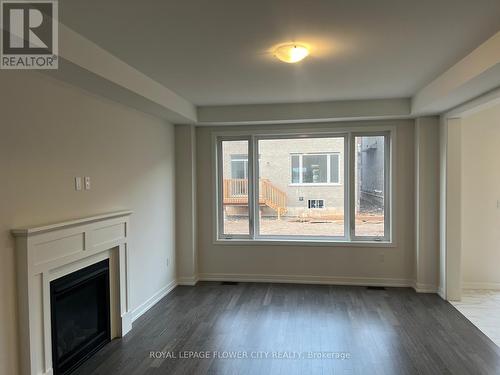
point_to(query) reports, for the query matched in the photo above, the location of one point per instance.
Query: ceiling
(216, 52)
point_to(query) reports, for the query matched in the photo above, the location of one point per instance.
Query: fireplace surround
(50, 253)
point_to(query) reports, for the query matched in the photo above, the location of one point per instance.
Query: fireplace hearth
(80, 316)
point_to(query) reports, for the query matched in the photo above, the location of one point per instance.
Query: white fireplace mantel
(45, 253)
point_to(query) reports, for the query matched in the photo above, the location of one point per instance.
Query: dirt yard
(371, 226)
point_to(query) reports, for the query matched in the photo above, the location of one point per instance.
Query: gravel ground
(290, 226)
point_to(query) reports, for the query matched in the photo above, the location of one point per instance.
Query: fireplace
(80, 316)
(53, 259)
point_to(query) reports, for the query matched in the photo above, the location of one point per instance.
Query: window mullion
(250, 189)
(220, 199)
(387, 187)
(253, 183)
(351, 186)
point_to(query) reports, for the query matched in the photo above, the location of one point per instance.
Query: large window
(318, 187)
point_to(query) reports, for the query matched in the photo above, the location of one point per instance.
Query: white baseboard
(145, 306)
(425, 288)
(481, 285)
(306, 279)
(126, 323)
(188, 281)
(441, 293)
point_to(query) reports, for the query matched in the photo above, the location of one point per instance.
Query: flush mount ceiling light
(291, 52)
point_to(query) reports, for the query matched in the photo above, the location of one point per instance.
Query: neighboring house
(308, 173)
(370, 190)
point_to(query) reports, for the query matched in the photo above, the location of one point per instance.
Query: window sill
(305, 243)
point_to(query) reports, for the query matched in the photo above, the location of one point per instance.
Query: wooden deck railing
(273, 197)
(235, 191)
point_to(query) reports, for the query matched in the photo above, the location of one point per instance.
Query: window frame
(388, 182)
(219, 175)
(274, 237)
(349, 239)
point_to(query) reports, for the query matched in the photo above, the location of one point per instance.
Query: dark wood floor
(393, 331)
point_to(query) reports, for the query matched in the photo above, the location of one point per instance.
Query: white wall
(51, 132)
(185, 215)
(452, 233)
(480, 193)
(443, 139)
(427, 203)
(337, 264)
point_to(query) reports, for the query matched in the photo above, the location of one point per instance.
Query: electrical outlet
(168, 262)
(78, 183)
(381, 257)
(87, 183)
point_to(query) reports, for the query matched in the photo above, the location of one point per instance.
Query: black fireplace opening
(80, 316)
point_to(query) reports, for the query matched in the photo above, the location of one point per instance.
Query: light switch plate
(78, 183)
(87, 183)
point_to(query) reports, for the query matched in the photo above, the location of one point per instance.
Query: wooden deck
(236, 193)
(241, 201)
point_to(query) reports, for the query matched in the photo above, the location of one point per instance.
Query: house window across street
(315, 168)
(316, 203)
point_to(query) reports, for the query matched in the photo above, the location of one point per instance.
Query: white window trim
(239, 159)
(253, 136)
